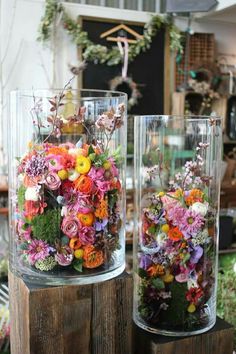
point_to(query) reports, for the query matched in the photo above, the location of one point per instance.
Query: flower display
(176, 243)
(69, 193)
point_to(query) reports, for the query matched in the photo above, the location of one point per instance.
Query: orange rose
(75, 243)
(84, 184)
(102, 209)
(92, 257)
(31, 181)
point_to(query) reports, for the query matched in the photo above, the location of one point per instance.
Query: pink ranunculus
(103, 186)
(87, 235)
(70, 226)
(55, 162)
(183, 276)
(65, 256)
(52, 181)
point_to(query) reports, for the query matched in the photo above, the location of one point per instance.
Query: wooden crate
(77, 319)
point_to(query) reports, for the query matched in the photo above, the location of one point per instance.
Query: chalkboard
(147, 69)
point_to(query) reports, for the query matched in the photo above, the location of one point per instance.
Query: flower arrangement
(176, 256)
(68, 197)
(99, 53)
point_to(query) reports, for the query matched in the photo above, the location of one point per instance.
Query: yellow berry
(165, 228)
(79, 253)
(167, 278)
(161, 194)
(107, 165)
(83, 164)
(63, 174)
(191, 308)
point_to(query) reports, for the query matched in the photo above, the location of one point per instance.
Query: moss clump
(21, 197)
(47, 225)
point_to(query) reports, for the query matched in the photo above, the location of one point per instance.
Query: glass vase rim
(30, 93)
(184, 117)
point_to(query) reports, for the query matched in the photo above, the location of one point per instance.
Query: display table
(94, 319)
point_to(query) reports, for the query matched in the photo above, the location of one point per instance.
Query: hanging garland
(100, 54)
(135, 93)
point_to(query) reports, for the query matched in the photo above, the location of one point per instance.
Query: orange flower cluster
(195, 195)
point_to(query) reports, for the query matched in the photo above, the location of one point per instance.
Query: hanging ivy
(100, 54)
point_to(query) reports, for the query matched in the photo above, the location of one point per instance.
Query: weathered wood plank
(78, 319)
(219, 340)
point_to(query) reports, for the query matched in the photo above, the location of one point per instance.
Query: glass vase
(177, 184)
(67, 185)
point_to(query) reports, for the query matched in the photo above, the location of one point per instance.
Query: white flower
(73, 175)
(192, 283)
(64, 211)
(199, 208)
(32, 193)
(161, 239)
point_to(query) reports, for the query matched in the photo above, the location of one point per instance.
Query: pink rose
(53, 181)
(168, 202)
(87, 235)
(70, 226)
(55, 162)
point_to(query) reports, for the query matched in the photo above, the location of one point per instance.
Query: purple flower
(196, 254)
(100, 226)
(37, 250)
(87, 235)
(36, 166)
(145, 261)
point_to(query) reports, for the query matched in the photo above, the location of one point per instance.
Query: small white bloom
(73, 175)
(199, 208)
(161, 239)
(64, 211)
(192, 283)
(32, 193)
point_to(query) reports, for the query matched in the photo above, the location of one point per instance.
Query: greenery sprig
(100, 54)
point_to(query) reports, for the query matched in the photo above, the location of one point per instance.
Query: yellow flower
(63, 174)
(83, 164)
(165, 228)
(161, 194)
(79, 253)
(167, 278)
(191, 308)
(106, 165)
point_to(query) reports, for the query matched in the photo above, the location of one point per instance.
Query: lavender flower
(36, 166)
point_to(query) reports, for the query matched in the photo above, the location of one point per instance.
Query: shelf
(227, 251)
(4, 211)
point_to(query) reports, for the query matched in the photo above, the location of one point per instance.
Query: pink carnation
(37, 250)
(168, 202)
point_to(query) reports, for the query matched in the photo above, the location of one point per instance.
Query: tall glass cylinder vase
(67, 185)
(177, 184)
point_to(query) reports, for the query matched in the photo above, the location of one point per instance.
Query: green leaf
(158, 283)
(23, 246)
(21, 197)
(142, 273)
(152, 229)
(91, 150)
(78, 265)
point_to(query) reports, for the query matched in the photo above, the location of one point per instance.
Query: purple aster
(36, 166)
(38, 250)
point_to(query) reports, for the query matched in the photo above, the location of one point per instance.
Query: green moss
(47, 225)
(175, 315)
(21, 197)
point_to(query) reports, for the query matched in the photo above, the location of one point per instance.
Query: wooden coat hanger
(119, 39)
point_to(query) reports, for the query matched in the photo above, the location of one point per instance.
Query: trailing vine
(98, 53)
